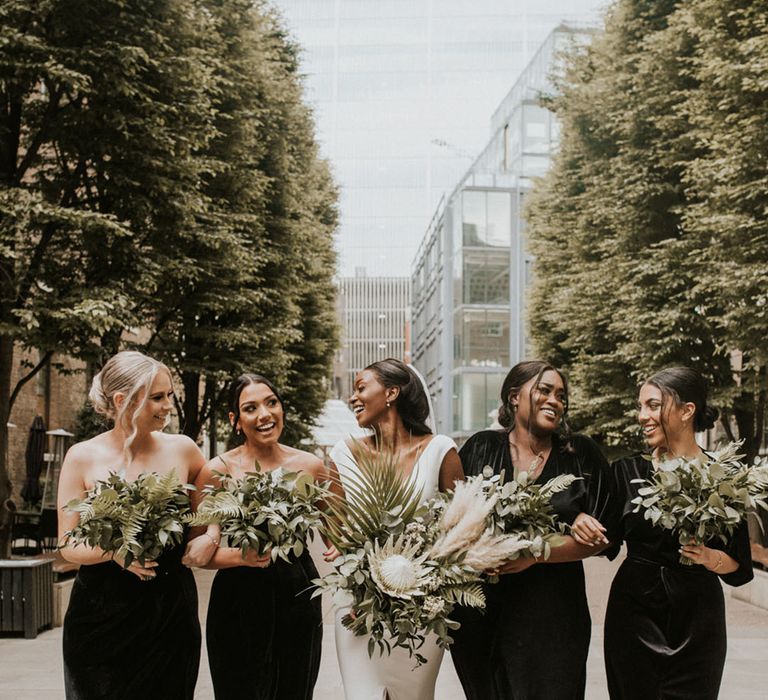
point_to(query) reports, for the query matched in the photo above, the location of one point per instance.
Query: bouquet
(405, 565)
(134, 521)
(705, 497)
(524, 508)
(272, 511)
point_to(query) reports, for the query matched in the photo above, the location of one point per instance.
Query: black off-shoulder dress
(665, 634)
(532, 641)
(125, 638)
(264, 632)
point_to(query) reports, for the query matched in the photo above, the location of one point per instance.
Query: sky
(403, 92)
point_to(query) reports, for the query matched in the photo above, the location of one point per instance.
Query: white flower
(396, 570)
(433, 606)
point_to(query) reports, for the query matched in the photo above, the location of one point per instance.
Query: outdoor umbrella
(35, 458)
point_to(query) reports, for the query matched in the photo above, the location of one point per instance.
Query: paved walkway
(31, 669)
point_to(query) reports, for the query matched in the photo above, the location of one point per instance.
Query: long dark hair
(235, 389)
(518, 376)
(681, 385)
(411, 403)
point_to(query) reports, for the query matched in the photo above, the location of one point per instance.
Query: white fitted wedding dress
(394, 676)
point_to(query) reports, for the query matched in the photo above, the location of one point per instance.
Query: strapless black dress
(125, 638)
(264, 632)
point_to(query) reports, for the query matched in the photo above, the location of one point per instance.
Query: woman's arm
(569, 550)
(337, 491)
(72, 486)
(450, 471)
(230, 557)
(203, 542)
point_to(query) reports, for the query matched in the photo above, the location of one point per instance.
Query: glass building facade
(402, 90)
(373, 314)
(471, 271)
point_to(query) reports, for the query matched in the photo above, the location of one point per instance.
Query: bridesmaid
(532, 641)
(263, 631)
(132, 631)
(665, 622)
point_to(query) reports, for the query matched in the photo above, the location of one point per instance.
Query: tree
(103, 107)
(271, 217)
(638, 263)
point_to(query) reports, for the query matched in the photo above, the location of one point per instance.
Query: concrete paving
(32, 669)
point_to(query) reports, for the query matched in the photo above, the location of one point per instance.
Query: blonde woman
(130, 632)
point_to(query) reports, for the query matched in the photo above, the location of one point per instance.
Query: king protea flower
(396, 569)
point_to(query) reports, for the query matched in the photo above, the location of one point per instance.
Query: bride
(389, 399)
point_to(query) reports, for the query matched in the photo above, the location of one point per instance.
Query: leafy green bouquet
(134, 521)
(524, 508)
(404, 564)
(703, 498)
(274, 511)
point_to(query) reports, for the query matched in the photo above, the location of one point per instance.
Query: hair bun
(99, 400)
(706, 419)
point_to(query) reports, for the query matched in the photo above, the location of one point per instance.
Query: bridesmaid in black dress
(665, 633)
(130, 632)
(263, 630)
(532, 640)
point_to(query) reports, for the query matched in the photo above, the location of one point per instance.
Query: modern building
(401, 91)
(471, 271)
(373, 314)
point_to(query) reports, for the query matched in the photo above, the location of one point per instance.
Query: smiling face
(159, 404)
(661, 419)
(261, 415)
(540, 406)
(369, 402)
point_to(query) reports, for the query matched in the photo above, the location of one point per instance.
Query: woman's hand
(711, 559)
(588, 531)
(514, 566)
(256, 560)
(331, 553)
(199, 551)
(145, 573)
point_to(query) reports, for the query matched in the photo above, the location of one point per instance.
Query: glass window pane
(473, 217)
(498, 226)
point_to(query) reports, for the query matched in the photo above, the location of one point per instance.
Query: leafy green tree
(104, 105)
(263, 260)
(649, 247)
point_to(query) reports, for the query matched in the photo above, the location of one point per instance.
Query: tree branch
(27, 377)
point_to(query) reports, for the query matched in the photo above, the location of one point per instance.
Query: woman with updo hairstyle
(532, 639)
(130, 632)
(665, 633)
(264, 631)
(390, 400)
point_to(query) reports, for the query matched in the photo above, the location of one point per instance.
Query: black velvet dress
(264, 632)
(125, 638)
(531, 643)
(665, 633)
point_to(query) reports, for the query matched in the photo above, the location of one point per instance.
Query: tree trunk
(7, 506)
(191, 404)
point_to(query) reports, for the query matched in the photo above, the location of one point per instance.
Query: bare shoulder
(83, 454)
(220, 463)
(304, 461)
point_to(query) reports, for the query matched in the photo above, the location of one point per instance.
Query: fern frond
(558, 484)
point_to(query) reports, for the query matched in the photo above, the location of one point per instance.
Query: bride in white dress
(390, 399)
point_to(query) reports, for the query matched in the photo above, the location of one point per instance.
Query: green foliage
(404, 564)
(88, 423)
(523, 508)
(275, 511)
(649, 232)
(134, 520)
(704, 498)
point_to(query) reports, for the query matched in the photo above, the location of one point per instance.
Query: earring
(388, 405)
(238, 432)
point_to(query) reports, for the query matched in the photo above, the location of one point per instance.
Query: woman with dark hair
(391, 401)
(263, 630)
(665, 632)
(532, 640)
